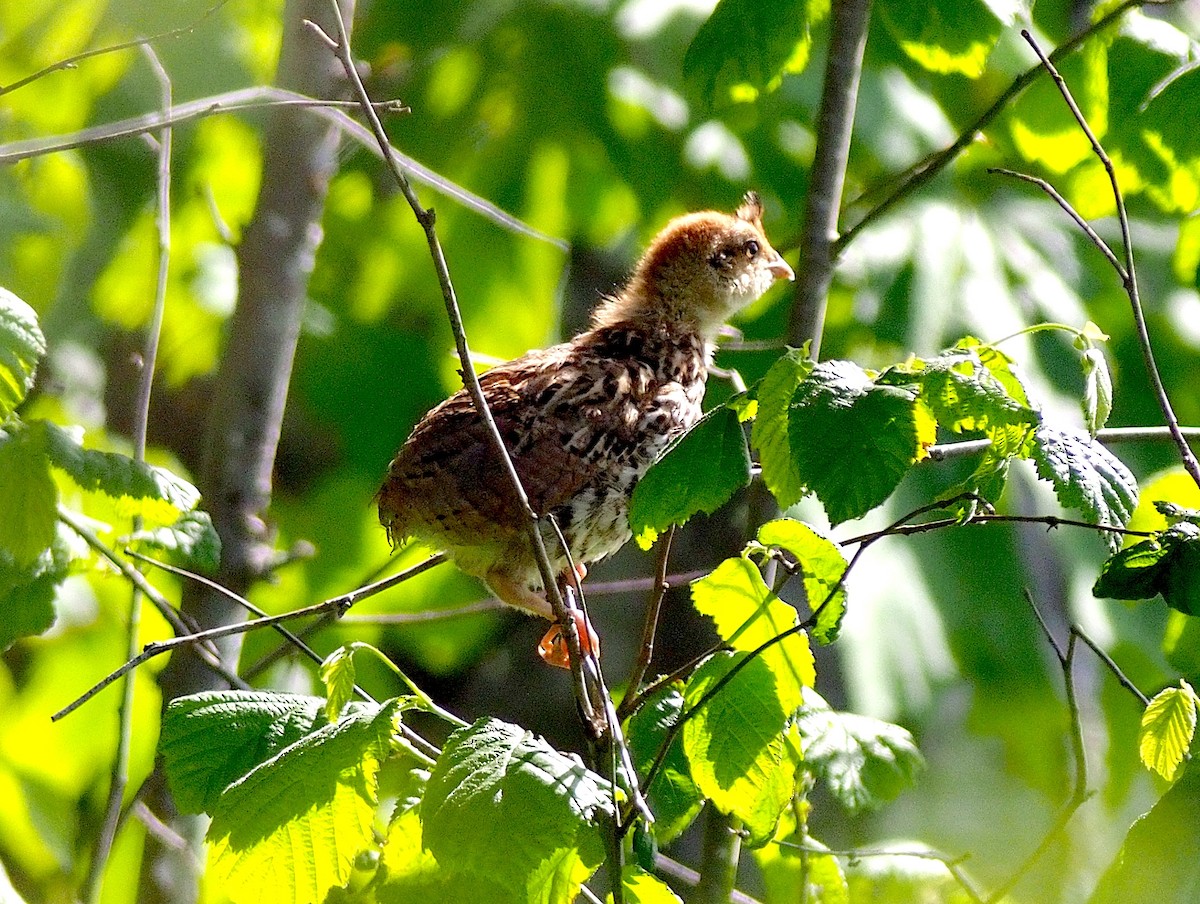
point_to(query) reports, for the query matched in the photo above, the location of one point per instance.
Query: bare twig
(94, 881)
(924, 171)
(337, 604)
(1079, 791)
(1051, 521)
(1128, 273)
(1112, 666)
(1109, 436)
(72, 62)
(835, 122)
(689, 876)
(1062, 202)
(653, 606)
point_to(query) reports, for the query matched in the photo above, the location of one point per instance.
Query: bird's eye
(751, 248)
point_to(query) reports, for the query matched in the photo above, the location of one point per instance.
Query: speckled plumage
(582, 420)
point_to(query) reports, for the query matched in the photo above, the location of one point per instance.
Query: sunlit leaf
(698, 473)
(745, 47)
(1097, 390)
(821, 565)
(1167, 729)
(1086, 477)
(338, 675)
(291, 828)
(495, 780)
(640, 887)
(946, 36)
(735, 743)
(21, 347)
(210, 740)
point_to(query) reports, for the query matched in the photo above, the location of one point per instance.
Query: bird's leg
(553, 647)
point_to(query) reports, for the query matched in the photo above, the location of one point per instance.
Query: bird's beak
(780, 270)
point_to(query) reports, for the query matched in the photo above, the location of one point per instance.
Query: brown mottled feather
(582, 420)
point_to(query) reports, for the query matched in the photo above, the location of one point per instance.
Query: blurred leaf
(791, 874)
(673, 796)
(1086, 477)
(28, 497)
(697, 473)
(291, 828)
(746, 47)
(747, 615)
(734, 742)
(853, 439)
(1167, 729)
(770, 432)
(821, 564)
(192, 540)
(864, 761)
(27, 594)
(210, 740)
(1097, 390)
(947, 36)
(495, 781)
(1168, 125)
(1157, 864)
(640, 887)
(1167, 563)
(21, 347)
(119, 476)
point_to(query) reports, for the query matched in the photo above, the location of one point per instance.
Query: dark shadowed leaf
(1167, 563)
(673, 796)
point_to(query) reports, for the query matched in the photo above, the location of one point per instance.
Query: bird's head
(699, 270)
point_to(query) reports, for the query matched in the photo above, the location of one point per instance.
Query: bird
(582, 421)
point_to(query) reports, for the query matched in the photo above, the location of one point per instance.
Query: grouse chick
(583, 420)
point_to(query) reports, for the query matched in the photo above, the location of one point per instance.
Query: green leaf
(966, 396)
(27, 593)
(735, 742)
(697, 473)
(1157, 864)
(747, 615)
(28, 497)
(1086, 477)
(22, 345)
(946, 36)
(792, 875)
(1168, 125)
(495, 781)
(769, 436)
(673, 796)
(746, 47)
(864, 761)
(120, 476)
(1097, 390)
(640, 887)
(821, 566)
(853, 440)
(337, 674)
(192, 540)
(1167, 729)
(291, 828)
(210, 740)
(1167, 563)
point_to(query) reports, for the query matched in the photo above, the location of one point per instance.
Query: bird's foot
(553, 647)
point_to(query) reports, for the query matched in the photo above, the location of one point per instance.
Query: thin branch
(649, 627)
(1079, 792)
(686, 874)
(1129, 273)
(835, 123)
(135, 577)
(1109, 436)
(73, 62)
(261, 97)
(1111, 665)
(1050, 521)
(94, 881)
(337, 604)
(1070, 211)
(953, 864)
(925, 170)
